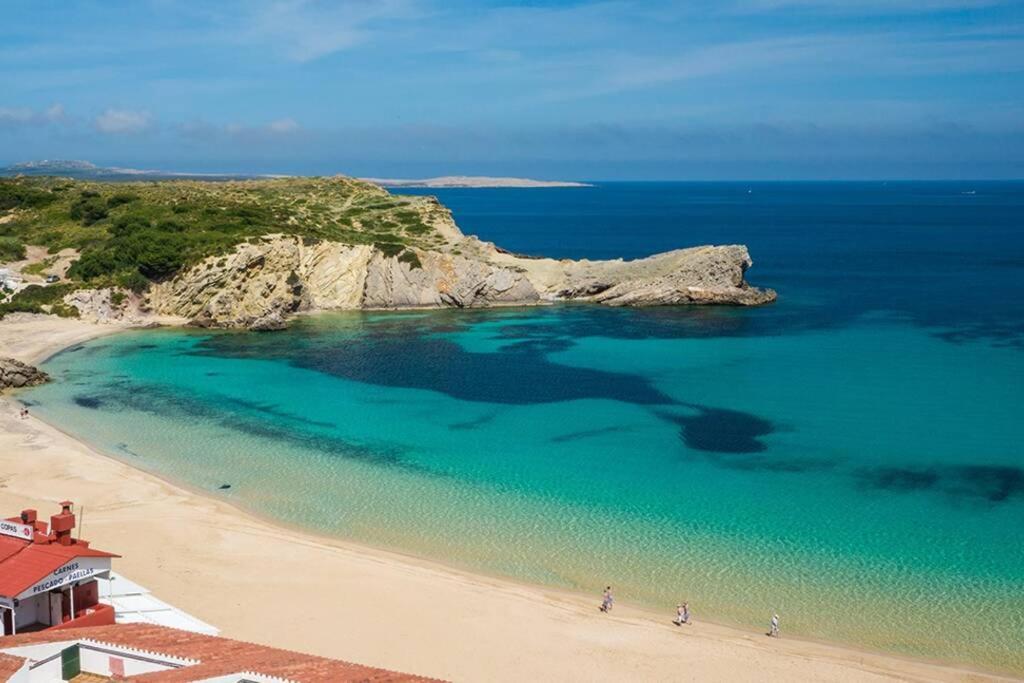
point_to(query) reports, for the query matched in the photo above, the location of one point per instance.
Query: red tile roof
(9, 665)
(218, 656)
(10, 546)
(20, 568)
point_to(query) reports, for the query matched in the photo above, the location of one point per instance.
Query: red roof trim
(217, 656)
(34, 562)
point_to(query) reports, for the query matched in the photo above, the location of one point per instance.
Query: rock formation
(14, 374)
(263, 282)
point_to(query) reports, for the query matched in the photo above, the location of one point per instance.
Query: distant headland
(86, 170)
(473, 181)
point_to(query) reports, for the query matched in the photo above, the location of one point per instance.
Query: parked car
(50, 279)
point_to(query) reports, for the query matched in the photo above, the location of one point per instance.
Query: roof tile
(218, 656)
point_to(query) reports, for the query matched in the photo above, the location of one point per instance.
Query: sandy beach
(347, 601)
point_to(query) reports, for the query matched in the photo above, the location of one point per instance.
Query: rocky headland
(251, 254)
(261, 284)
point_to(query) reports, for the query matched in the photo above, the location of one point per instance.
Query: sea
(850, 457)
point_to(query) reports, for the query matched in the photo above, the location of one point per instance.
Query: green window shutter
(70, 662)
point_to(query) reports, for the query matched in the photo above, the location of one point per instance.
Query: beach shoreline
(368, 605)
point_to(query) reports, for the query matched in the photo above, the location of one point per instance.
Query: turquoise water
(851, 462)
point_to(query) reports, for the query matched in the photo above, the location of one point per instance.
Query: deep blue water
(943, 254)
(849, 456)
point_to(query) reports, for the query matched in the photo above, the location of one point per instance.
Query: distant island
(473, 181)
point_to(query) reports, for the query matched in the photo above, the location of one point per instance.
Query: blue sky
(598, 90)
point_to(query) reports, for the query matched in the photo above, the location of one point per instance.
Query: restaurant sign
(22, 531)
(75, 570)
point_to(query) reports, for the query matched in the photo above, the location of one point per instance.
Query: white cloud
(28, 116)
(55, 113)
(117, 121)
(283, 126)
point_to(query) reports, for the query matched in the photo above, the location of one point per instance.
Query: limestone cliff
(264, 281)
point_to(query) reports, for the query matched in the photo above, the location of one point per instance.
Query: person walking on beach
(774, 631)
(682, 614)
(607, 600)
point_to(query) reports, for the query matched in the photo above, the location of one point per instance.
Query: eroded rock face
(263, 282)
(105, 305)
(443, 280)
(14, 374)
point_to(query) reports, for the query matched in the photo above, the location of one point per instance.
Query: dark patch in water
(224, 487)
(720, 430)
(93, 402)
(1000, 335)
(474, 423)
(404, 353)
(165, 402)
(991, 483)
(586, 434)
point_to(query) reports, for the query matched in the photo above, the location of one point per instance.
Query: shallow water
(849, 457)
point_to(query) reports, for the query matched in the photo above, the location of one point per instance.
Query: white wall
(95, 661)
(32, 610)
(99, 662)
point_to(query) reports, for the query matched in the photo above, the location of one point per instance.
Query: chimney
(62, 524)
(29, 517)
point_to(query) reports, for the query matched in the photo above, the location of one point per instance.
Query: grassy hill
(132, 233)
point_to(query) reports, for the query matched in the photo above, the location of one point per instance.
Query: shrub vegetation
(132, 234)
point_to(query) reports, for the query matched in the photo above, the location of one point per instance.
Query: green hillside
(133, 233)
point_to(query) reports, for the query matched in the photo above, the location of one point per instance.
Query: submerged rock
(14, 374)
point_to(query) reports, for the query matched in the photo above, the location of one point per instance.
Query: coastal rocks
(699, 275)
(14, 374)
(438, 280)
(702, 275)
(271, 321)
(263, 282)
(104, 305)
(252, 286)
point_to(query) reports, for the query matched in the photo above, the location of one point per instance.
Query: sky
(727, 89)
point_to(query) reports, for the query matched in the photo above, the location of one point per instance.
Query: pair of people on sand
(23, 413)
(682, 609)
